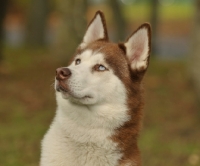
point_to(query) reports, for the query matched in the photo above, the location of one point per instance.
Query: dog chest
(60, 148)
(92, 155)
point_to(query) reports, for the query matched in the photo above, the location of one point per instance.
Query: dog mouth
(61, 87)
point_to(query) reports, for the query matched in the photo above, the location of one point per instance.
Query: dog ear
(138, 48)
(96, 30)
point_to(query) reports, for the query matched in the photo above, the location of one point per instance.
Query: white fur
(138, 49)
(80, 134)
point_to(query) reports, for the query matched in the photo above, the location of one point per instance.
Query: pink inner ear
(136, 55)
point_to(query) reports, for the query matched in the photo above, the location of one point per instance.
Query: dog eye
(77, 61)
(100, 68)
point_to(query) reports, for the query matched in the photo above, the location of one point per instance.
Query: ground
(170, 134)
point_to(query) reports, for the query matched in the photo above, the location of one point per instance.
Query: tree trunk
(37, 20)
(72, 26)
(119, 20)
(154, 23)
(195, 54)
(3, 8)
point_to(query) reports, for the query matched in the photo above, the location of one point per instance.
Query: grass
(170, 135)
(27, 105)
(171, 132)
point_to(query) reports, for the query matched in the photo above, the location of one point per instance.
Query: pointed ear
(96, 30)
(138, 48)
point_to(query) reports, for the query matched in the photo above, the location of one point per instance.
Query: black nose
(62, 73)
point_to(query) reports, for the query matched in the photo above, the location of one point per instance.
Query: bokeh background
(38, 36)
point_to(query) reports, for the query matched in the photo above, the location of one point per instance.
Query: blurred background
(38, 36)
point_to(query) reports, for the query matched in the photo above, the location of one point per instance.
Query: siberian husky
(99, 101)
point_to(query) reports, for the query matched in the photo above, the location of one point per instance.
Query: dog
(99, 101)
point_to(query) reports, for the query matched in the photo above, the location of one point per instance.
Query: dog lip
(61, 87)
(86, 97)
(58, 89)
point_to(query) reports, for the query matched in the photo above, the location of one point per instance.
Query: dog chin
(84, 98)
(78, 99)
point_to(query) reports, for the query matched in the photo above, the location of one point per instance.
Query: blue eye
(77, 61)
(101, 68)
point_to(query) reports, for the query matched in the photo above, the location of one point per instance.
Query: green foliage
(172, 12)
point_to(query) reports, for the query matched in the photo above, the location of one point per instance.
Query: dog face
(104, 72)
(89, 90)
(89, 79)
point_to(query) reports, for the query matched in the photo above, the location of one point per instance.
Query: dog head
(102, 71)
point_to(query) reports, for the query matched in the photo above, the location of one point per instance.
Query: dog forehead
(104, 50)
(106, 53)
(91, 56)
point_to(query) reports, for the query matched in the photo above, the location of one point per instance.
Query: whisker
(52, 85)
